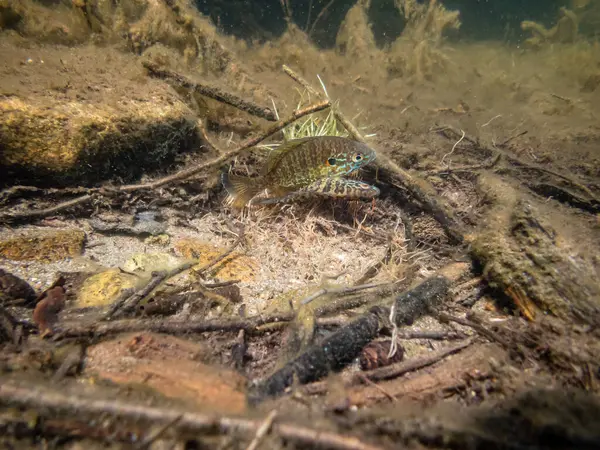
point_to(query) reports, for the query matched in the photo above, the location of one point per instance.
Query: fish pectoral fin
(342, 188)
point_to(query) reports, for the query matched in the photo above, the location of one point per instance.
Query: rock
(60, 24)
(152, 262)
(142, 224)
(70, 116)
(236, 266)
(14, 288)
(170, 366)
(103, 288)
(160, 239)
(43, 245)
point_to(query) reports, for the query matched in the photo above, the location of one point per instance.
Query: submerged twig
(153, 437)
(341, 290)
(210, 91)
(494, 337)
(262, 430)
(129, 304)
(56, 403)
(393, 371)
(515, 160)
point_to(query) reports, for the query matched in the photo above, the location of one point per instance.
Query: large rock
(82, 115)
(43, 245)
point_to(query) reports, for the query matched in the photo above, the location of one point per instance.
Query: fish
(329, 187)
(304, 167)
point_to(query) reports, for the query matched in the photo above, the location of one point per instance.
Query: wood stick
(211, 91)
(262, 430)
(494, 337)
(517, 161)
(393, 371)
(55, 403)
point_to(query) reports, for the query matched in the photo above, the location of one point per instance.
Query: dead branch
(494, 337)
(393, 371)
(262, 431)
(150, 439)
(126, 305)
(340, 348)
(100, 329)
(342, 291)
(210, 91)
(447, 129)
(55, 403)
(178, 176)
(319, 16)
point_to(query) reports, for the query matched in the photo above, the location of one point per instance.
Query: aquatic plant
(416, 53)
(566, 30)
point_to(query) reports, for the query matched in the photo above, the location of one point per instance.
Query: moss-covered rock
(43, 245)
(103, 288)
(84, 115)
(236, 266)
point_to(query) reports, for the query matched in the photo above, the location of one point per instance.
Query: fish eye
(358, 157)
(331, 161)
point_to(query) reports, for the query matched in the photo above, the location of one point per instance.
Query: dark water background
(481, 19)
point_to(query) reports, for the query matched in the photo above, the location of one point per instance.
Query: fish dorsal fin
(278, 153)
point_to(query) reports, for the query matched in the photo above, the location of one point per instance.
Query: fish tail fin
(240, 189)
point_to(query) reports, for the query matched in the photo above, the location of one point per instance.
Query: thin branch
(342, 290)
(393, 371)
(150, 439)
(321, 13)
(495, 337)
(514, 159)
(39, 213)
(369, 382)
(262, 431)
(187, 173)
(158, 278)
(209, 91)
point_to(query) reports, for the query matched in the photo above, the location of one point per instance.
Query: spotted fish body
(329, 187)
(302, 167)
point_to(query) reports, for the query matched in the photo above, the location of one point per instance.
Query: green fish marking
(306, 167)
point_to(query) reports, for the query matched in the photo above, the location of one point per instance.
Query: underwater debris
(531, 262)
(377, 354)
(565, 31)
(13, 288)
(45, 314)
(340, 348)
(416, 54)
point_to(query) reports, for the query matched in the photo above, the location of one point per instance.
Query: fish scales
(299, 163)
